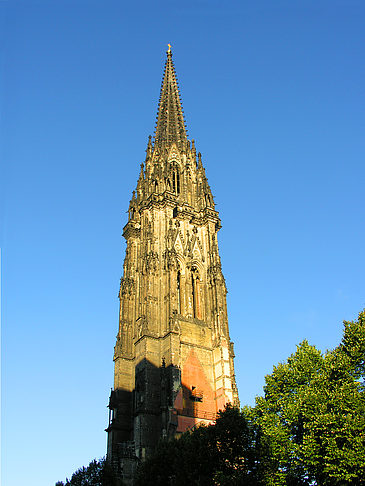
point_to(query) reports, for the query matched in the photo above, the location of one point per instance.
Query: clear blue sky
(273, 93)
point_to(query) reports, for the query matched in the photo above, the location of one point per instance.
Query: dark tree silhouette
(97, 473)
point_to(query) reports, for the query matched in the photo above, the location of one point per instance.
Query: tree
(334, 443)
(98, 473)
(311, 419)
(219, 454)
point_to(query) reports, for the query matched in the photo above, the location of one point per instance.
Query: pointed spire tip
(170, 126)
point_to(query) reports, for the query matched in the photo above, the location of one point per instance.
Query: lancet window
(195, 287)
(178, 292)
(175, 179)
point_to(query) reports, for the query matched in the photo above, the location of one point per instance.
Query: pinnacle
(170, 126)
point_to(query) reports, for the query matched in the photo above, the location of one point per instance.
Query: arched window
(176, 180)
(178, 292)
(195, 287)
(193, 292)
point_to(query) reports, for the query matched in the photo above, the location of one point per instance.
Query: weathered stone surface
(173, 356)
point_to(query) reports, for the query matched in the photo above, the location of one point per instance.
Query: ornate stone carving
(150, 262)
(141, 326)
(170, 260)
(127, 286)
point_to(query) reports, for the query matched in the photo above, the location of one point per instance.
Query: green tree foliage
(220, 454)
(334, 443)
(312, 416)
(98, 473)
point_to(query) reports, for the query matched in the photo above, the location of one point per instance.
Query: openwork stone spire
(170, 125)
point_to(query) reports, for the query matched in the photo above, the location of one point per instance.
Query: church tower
(173, 355)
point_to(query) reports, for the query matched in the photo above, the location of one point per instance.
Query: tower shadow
(159, 407)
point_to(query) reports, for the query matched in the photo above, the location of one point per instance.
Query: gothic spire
(170, 125)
